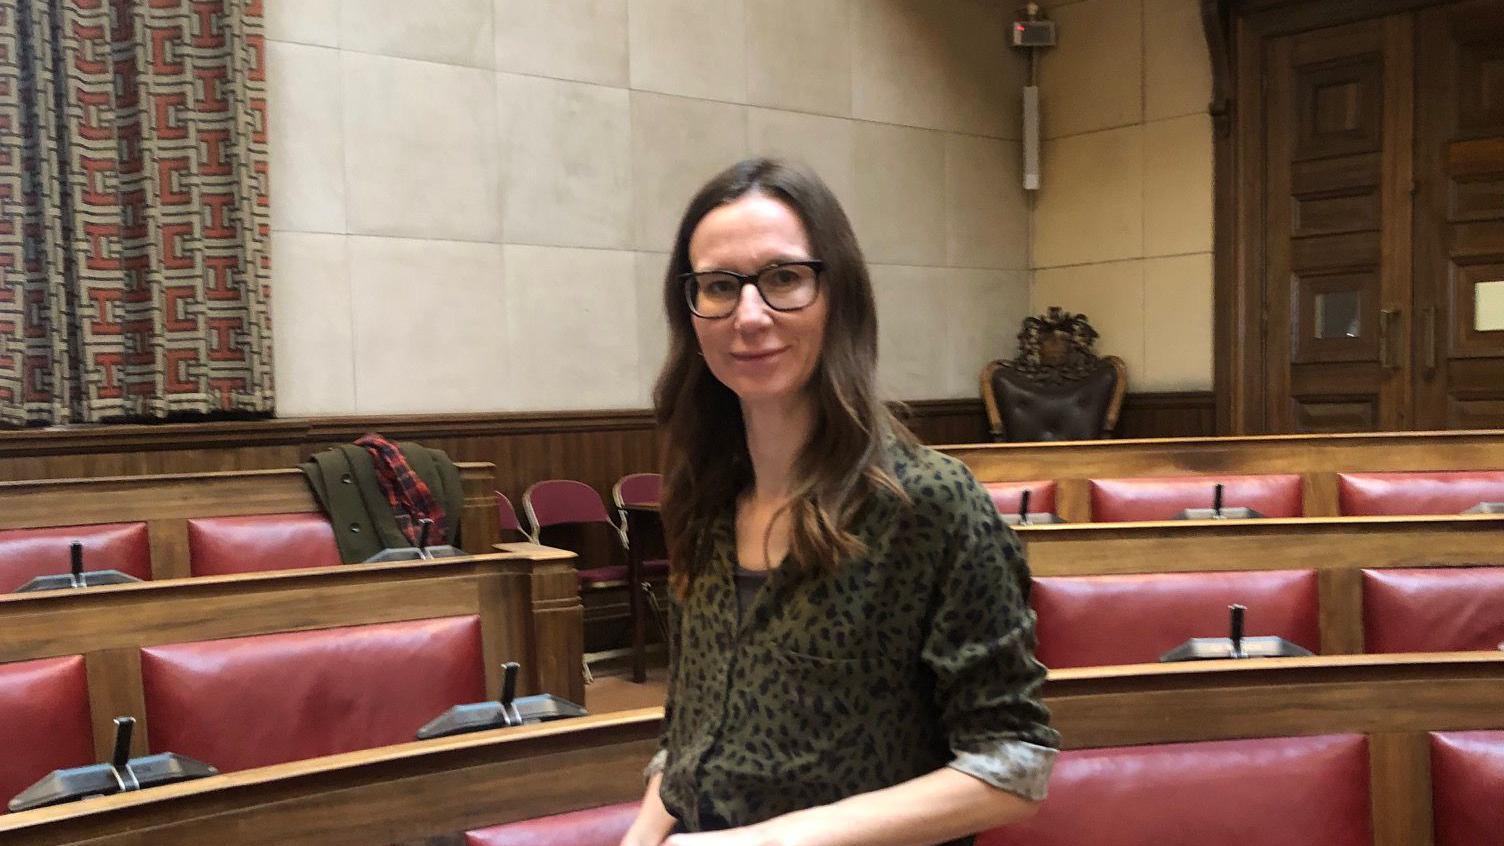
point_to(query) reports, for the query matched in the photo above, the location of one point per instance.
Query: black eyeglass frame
(690, 279)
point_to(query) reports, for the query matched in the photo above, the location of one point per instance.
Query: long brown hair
(706, 464)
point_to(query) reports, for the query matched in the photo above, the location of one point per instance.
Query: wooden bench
(526, 600)
(166, 503)
(1338, 548)
(1317, 458)
(432, 791)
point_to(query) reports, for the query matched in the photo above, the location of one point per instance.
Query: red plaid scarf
(406, 493)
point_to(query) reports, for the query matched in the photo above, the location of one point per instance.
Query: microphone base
(1217, 648)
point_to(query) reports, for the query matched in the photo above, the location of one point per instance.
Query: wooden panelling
(593, 447)
(436, 789)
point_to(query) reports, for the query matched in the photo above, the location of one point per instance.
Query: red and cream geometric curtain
(134, 230)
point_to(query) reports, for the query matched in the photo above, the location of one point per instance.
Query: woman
(852, 658)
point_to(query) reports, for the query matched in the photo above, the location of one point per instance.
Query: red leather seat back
(1388, 494)
(219, 546)
(1265, 792)
(1433, 609)
(1164, 497)
(1087, 621)
(1467, 787)
(1007, 495)
(44, 721)
(252, 701)
(28, 553)
(602, 826)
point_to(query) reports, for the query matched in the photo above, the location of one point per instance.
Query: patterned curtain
(134, 259)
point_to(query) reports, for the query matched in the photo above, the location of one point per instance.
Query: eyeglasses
(787, 286)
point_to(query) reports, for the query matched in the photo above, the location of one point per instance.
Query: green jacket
(918, 655)
(344, 480)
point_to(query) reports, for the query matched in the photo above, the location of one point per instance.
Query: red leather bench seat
(1007, 495)
(1087, 621)
(1467, 787)
(1433, 609)
(44, 721)
(1265, 792)
(252, 701)
(1390, 494)
(28, 553)
(602, 826)
(219, 546)
(1164, 497)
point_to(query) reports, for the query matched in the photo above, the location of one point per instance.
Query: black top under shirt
(748, 583)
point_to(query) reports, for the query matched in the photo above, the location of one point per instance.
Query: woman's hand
(653, 822)
(746, 836)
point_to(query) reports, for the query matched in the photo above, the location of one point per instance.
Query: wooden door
(1459, 224)
(1338, 124)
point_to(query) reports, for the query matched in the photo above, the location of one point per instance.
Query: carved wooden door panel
(1338, 123)
(1459, 224)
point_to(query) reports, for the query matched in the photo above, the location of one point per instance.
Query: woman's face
(761, 354)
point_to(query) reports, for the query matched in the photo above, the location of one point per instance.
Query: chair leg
(585, 669)
(660, 617)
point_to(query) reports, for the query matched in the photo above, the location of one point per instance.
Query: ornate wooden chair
(1057, 388)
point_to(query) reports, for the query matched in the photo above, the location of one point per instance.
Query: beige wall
(472, 199)
(1122, 228)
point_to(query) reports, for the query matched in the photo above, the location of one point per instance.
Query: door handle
(1430, 320)
(1388, 319)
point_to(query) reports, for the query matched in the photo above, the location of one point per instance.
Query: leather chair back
(1007, 495)
(506, 517)
(1467, 787)
(1164, 497)
(1396, 494)
(28, 553)
(571, 515)
(604, 826)
(1031, 410)
(1088, 621)
(637, 489)
(220, 546)
(1433, 609)
(44, 721)
(253, 701)
(1265, 792)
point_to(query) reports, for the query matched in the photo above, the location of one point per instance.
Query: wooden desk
(165, 504)
(1338, 548)
(1317, 458)
(642, 523)
(434, 790)
(526, 600)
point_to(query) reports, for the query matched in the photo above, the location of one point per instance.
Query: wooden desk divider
(429, 792)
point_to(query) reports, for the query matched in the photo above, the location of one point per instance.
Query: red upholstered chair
(559, 508)
(604, 826)
(642, 489)
(44, 721)
(1433, 609)
(28, 553)
(221, 546)
(252, 701)
(1164, 497)
(1087, 621)
(1264, 792)
(1467, 783)
(1390, 494)
(1007, 495)
(506, 518)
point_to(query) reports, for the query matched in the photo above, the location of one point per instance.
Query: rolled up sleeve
(980, 648)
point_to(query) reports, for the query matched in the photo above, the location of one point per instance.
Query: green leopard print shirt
(918, 656)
